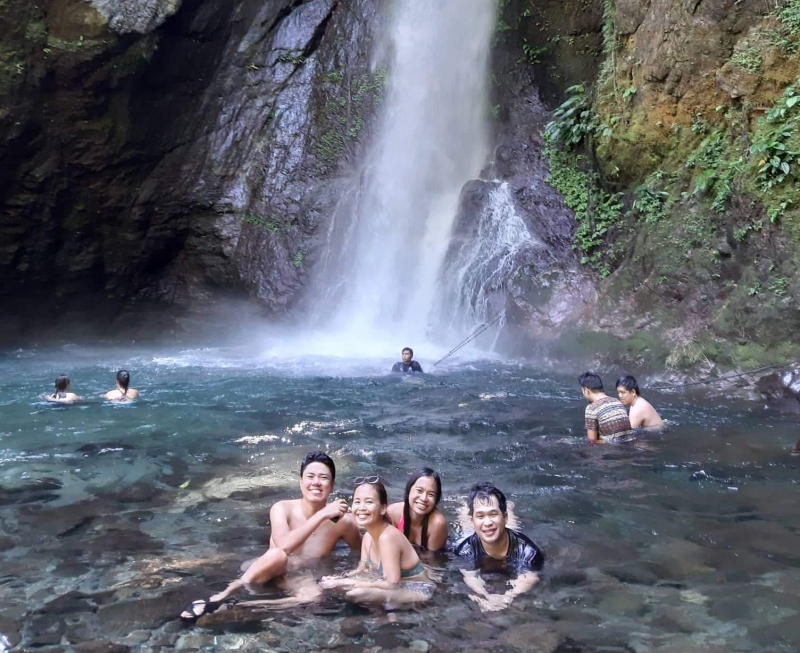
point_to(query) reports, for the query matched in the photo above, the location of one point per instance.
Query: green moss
(641, 349)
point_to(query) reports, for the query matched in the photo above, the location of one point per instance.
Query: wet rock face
(545, 284)
(154, 151)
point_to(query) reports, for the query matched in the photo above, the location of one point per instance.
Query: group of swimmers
(606, 419)
(122, 391)
(390, 537)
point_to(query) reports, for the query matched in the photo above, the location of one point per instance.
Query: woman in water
(417, 515)
(385, 551)
(122, 392)
(62, 394)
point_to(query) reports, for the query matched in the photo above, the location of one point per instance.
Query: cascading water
(389, 238)
(472, 284)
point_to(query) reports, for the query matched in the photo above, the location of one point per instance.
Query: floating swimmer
(408, 364)
(62, 394)
(122, 392)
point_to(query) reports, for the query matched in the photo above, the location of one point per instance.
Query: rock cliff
(157, 153)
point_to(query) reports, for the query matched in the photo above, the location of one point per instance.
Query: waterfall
(482, 257)
(390, 236)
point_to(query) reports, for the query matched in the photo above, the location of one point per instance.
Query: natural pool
(114, 517)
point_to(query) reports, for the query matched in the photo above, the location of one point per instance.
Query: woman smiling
(417, 515)
(385, 551)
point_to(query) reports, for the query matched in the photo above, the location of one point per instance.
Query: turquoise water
(112, 517)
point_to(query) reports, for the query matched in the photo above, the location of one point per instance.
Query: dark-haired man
(303, 530)
(641, 413)
(408, 364)
(494, 545)
(605, 418)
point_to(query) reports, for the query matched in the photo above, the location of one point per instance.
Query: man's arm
(396, 368)
(291, 540)
(350, 533)
(521, 584)
(592, 425)
(416, 366)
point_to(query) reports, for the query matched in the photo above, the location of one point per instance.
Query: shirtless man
(642, 414)
(303, 530)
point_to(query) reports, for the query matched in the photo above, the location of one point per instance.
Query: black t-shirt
(522, 555)
(414, 366)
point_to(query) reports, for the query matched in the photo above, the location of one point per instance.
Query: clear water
(113, 517)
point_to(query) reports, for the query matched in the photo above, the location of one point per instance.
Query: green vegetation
(789, 15)
(297, 260)
(748, 59)
(342, 113)
(273, 225)
(296, 60)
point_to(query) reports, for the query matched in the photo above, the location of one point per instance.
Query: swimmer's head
(487, 508)
(424, 487)
(485, 494)
(627, 390)
(422, 495)
(62, 383)
(590, 384)
(370, 502)
(124, 379)
(408, 354)
(318, 457)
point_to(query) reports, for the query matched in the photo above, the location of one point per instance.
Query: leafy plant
(776, 212)
(779, 287)
(297, 260)
(573, 120)
(629, 92)
(531, 54)
(748, 59)
(789, 15)
(650, 204)
(775, 156)
(292, 59)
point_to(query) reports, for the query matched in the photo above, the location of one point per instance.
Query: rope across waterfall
(483, 327)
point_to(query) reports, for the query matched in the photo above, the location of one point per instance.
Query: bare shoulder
(133, 394)
(395, 512)
(392, 535)
(438, 519)
(286, 507)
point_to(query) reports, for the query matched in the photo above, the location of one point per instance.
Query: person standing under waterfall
(408, 364)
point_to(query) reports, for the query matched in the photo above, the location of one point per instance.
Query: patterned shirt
(522, 554)
(609, 418)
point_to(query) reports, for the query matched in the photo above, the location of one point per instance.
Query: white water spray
(388, 241)
(472, 287)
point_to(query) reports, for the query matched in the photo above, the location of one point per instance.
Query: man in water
(303, 530)
(408, 364)
(606, 418)
(493, 545)
(641, 413)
